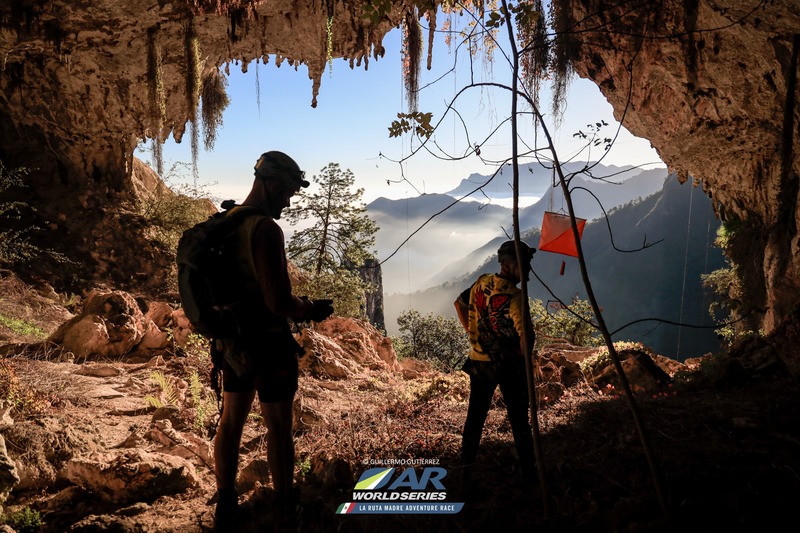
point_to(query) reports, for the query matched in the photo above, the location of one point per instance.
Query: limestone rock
(42, 448)
(124, 476)
(256, 471)
(102, 523)
(9, 477)
(181, 327)
(110, 325)
(160, 313)
(332, 472)
(358, 341)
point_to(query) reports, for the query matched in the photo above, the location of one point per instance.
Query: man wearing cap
(491, 313)
(263, 358)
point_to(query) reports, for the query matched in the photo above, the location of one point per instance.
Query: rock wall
(371, 273)
(713, 86)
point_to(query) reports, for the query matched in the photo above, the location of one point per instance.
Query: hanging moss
(192, 66)
(215, 100)
(412, 53)
(535, 49)
(330, 10)
(561, 54)
(258, 90)
(155, 94)
(329, 33)
(193, 87)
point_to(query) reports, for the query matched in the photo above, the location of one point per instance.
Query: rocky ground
(93, 453)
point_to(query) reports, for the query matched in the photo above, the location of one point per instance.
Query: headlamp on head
(279, 166)
(509, 249)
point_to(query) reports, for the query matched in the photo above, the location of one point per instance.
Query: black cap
(508, 249)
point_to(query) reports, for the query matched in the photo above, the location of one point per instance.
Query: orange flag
(557, 234)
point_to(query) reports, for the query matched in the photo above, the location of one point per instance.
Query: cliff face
(713, 86)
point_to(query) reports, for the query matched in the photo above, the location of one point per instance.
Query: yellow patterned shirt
(495, 318)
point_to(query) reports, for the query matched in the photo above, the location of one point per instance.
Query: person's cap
(508, 249)
(277, 165)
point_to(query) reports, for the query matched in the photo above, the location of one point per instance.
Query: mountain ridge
(447, 244)
(660, 281)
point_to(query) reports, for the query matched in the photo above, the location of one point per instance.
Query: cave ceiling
(78, 76)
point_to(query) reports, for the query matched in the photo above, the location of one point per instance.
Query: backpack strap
(241, 213)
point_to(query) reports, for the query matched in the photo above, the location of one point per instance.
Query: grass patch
(22, 327)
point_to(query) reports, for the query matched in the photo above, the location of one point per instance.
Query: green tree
(434, 338)
(336, 243)
(574, 324)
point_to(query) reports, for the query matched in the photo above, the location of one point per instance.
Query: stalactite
(431, 14)
(155, 94)
(192, 66)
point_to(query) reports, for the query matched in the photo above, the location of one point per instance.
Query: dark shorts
(274, 378)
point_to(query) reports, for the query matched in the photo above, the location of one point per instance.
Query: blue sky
(350, 124)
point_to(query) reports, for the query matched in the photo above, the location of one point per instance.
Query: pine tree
(337, 242)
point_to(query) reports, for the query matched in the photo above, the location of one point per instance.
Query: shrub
(26, 520)
(15, 245)
(22, 327)
(174, 207)
(434, 338)
(574, 324)
(24, 398)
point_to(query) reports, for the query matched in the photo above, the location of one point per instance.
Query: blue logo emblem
(406, 491)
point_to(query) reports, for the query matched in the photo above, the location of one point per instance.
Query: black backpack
(209, 281)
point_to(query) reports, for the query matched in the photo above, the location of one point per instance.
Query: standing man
(491, 313)
(263, 358)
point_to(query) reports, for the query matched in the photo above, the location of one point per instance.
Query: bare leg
(280, 446)
(235, 408)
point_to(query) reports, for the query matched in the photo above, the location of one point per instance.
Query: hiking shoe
(226, 514)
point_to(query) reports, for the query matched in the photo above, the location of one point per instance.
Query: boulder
(9, 477)
(160, 313)
(125, 476)
(110, 325)
(341, 347)
(181, 328)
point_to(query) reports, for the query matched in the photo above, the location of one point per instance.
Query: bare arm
(269, 258)
(462, 310)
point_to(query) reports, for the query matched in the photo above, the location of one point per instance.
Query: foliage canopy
(335, 242)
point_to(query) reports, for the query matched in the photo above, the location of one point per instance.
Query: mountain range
(430, 239)
(661, 281)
